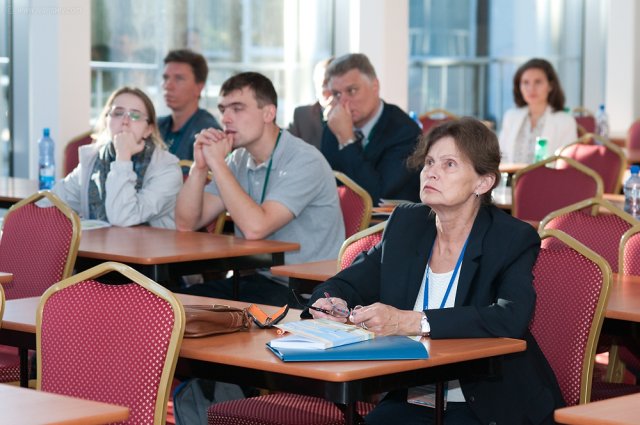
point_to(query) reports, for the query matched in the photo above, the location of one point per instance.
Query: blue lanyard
(266, 179)
(425, 304)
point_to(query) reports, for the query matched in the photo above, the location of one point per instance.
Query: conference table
(243, 358)
(23, 406)
(623, 410)
(15, 189)
(163, 253)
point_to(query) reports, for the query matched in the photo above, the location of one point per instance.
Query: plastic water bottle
(541, 149)
(602, 123)
(47, 168)
(632, 192)
(414, 116)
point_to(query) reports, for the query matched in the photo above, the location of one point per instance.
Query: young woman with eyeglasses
(126, 176)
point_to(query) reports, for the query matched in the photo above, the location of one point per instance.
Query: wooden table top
(6, 277)
(248, 349)
(623, 410)
(237, 349)
(624, 298)
(15, 189)
(152, 245)
(316, 270)
(23, 406)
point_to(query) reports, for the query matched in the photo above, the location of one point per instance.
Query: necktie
(359, 136)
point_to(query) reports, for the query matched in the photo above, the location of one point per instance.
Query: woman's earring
(477, 194)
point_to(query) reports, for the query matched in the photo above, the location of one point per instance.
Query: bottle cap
(635, 169)
(45, 132)
(541, 141)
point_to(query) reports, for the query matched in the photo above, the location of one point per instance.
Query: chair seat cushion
(280, 409)
(9, 364)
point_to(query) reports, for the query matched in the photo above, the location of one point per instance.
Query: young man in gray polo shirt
(274, 186)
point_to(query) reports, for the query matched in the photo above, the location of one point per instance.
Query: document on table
(319, 334)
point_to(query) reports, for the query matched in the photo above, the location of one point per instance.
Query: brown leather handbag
(204, 320)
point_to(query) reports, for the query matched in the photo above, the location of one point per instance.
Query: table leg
(23, 354)
(350, 414)
(439, 403)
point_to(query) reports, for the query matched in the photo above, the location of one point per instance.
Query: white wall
(53, 74)
(623, 65)
(379, 29)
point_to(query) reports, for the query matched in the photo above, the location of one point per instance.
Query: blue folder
(380, 348)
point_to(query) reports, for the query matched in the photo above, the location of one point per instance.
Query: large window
(281, 38)
(5, 81)
(463, 53)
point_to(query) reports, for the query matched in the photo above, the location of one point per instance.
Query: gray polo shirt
(301, 180)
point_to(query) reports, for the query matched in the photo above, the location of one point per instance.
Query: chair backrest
(1, 304)
(595, 223)
(572, 286)
(434, 117)
(585, 120)
(537, 189)
(39, 245)
(601, 155)
(360, 242)
(114, 343)
(355, 203)
(629, 252)
(185, 166)
(633, 135)
(70, 156)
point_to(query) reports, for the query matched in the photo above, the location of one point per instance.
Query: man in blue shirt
(184, 77)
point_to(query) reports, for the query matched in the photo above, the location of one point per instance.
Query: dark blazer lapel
(376, 137)
(472, 254)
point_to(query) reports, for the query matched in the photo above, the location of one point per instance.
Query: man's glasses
(134, 115)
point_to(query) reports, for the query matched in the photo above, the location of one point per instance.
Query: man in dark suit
(308, 120)
(365, 138)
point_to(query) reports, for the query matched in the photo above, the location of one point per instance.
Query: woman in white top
(127, 176)
(540, 113)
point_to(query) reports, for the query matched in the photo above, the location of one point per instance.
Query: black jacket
(495, 298)
(380, 167)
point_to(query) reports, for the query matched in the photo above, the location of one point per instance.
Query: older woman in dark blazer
(454, 266)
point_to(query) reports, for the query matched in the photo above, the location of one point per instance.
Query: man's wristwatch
(425, 328)
(345, 144)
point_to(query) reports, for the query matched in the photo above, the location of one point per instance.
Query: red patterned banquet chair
(594, 222)
(39, 246)
(538, 189)
(585, 120)
(360, 242)
(572, 284)
(70, 154)
(355, 203)
(434, 117)
(633, 135)
(110, 334)
(295, 409)
(599, 225)
(601, 155)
